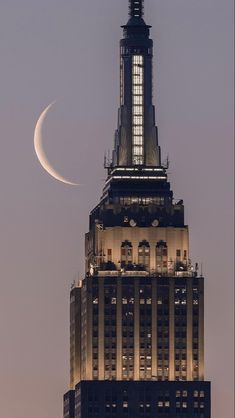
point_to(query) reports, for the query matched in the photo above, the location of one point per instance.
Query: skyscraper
(137, 318)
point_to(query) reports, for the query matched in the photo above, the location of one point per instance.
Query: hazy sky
(69, 51)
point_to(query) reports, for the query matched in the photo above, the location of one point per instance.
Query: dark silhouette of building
(137, 318)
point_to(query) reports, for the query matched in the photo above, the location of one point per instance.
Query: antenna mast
(136, 8)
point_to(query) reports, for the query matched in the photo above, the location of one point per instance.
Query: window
(144, 254)
(141, 200)
(126, 253)
(178, 254)
(121, 81)
(109, 252)
(137, 109)
(161, 257)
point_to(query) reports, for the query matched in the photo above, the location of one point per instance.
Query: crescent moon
(40, 152)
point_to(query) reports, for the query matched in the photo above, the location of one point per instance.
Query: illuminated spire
(136, 8)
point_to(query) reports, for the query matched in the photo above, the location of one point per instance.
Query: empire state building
(137, 317)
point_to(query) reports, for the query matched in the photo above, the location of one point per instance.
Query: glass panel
(137, 130)
(137, 140)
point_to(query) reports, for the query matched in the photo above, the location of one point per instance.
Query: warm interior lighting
(138, 110)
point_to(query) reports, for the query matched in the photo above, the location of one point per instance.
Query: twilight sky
(68, 51)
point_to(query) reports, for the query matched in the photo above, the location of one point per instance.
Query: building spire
(136, 8)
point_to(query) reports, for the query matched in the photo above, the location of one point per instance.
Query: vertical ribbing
(189, 329)
(201, 329)
(119, 329)
(171, 329)
(89, 342)
(137, 331)
(154, 327)
(101, 330)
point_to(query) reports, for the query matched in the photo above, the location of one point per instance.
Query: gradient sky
(68, 51)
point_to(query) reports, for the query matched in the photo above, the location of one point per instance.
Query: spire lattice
(136, 8)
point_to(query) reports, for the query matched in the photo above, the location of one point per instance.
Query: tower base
(138, 399)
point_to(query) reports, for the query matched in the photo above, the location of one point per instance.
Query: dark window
(178, 253)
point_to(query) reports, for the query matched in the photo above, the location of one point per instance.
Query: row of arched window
(161, 254)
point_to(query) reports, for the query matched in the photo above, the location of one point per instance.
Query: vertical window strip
(121, 81)
(137, 109)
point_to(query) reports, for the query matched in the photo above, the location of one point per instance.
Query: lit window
(137, 120)
(137, 100)
(137, 160)
(138, 140)
(137, 150)
(137, 110)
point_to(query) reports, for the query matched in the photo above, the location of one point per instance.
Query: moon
(40, 151)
